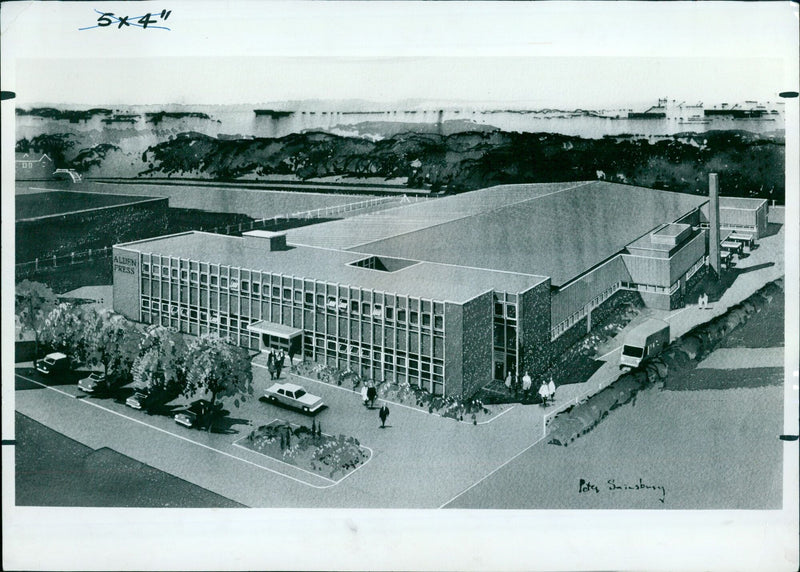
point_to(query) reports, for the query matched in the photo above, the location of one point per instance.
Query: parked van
(645, 340)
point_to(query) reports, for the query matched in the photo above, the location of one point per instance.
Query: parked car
(138, 400)
(294, 396)
(194, 414)
(94, 383)
(53, 363)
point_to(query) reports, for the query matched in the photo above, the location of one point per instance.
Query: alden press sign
(125, 264)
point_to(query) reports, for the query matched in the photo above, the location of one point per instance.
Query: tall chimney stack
(713, 222)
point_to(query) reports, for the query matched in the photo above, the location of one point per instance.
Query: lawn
(54, 470)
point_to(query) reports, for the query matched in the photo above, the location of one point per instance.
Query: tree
(63, 330)
(111, 341)
(218, 368)
(33, 302)
(159, 366)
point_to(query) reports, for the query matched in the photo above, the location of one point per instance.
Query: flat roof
(425, 280)
(559, 230)
(51, 203)
(672, 229)
(740, 203)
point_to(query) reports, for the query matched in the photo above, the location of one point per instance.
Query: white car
(294, 396)
(96, 381)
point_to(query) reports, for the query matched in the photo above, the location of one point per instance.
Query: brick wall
(477, 343)
(535, 325)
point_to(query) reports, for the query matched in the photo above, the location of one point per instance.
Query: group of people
(547, 390)
(369, 393)
(275, 364)
(702, 301)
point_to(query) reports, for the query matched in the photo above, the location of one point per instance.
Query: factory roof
(559, 230)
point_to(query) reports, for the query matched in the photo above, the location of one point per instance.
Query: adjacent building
(447, 294)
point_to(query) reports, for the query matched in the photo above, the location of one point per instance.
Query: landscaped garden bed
(470, 410)
(307, 448)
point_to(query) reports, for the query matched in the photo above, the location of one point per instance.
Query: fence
(51, 262)
(322, 212)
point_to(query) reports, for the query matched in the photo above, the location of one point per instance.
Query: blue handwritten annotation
(146, 22)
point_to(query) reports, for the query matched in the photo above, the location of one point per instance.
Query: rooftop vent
(265, 240)
(671, 234)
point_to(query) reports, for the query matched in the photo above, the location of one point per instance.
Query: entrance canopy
(275, 330)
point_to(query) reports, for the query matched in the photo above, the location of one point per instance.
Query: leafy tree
(159, 365)
(63, 330)
(33, 302)
(221, 369)
(111, 341)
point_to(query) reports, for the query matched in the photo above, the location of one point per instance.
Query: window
(234, 285)
(145, 303)
(401, 315)
(438, 322)
(184, 275)
(511, 311)
(214, 280)
(194, 276)
(223, 281)
(414, 318)
(426, 320)
(174, 273)
(256, 288)
(145, 268)
(165, 271)
(156, 270)
(365, 309)
(309, 296)
(245, 286)
(354, 306)
(203, 278)
(276, 292)
(389, 313)
(298, 297)
(320, 299)
(498, 309)
(287, 293)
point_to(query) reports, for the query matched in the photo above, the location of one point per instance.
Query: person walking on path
(526, 383)
(543, 393)
(279, 361)
(271, 364)
(291, 356)
(383, 414)
(551, 390)
(372, 394)
(364, 395)
(509, 380)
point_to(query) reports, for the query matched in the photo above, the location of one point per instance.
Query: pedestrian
(292, 351)
(551, 390)
(364, 395)
(509, 380)
(705, 301)
(526, 383)
(700, 301)
(372, 394)
(279, 360)
(383, 414)
(271, 364)
(543, 392)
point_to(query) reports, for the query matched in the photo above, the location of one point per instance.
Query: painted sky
(531, 82)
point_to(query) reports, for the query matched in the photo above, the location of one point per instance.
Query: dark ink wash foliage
(752, 166)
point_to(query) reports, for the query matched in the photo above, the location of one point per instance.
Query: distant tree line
(750, 165)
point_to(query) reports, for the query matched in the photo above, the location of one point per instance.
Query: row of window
(331, 304)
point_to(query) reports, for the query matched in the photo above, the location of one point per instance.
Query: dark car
(197, 414)
(53, 363)
(95, 382)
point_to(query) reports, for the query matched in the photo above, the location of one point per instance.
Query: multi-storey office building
(446, 294)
